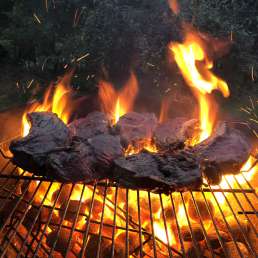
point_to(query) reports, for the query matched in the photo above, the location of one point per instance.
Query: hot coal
(224, 152)
(93, 124)
(47, 135)
(134, 127)
(84, 160)
(175, 131)
(159, 172)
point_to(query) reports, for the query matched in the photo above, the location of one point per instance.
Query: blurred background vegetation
(40, 38)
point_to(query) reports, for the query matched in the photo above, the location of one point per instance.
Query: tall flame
(195, 67)
(56, 100)
(118, 103)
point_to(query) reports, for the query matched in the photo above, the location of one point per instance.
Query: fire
(146, 144)
(56, 100)
(118, 103)
(195, 67)
(160, 232)
(174, 6)
(248, 169)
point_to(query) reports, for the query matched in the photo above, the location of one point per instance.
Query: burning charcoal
(155, 204)
(135, 127)
(64, 194)
(72, 210)
(107, 229)
(214, 239)
(62, 240)
(28, 221)
(93, 124)
(224, 152)
(175, 131)
(170, 215)
(203, 210)
(47, 135)
(191, 251)
(196, 231)
(232, 252)
(208, 254)
(234, 226)
(107, 252)
(96, 209)
(10, 206)
(159, 172)
(85, 160)
(92, 247)
(133, 242)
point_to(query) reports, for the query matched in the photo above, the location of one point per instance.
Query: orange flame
(174, 6)
(164, 110)
(146, 144)
(55, 100)
(195, 67)
(118, 103)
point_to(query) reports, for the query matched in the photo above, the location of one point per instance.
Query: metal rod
(114, 225)
(195, 243)
(228, 227)
(74, 223)
(165, 226)
(177, 224)
(101, 223)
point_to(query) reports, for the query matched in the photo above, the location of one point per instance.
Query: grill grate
(29, 219)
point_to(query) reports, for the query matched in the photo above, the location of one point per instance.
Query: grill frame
(14, 222)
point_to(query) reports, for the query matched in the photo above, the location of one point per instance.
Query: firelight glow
(118, 103)
(195, 67)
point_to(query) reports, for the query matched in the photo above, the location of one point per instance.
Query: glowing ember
(195, 67)
(118, 103)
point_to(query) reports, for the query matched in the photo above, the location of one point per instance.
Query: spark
(37, 18)
(150, 64)
(254, 120)
(82, 57)
(30, 83)
(77, 17)
(252, 73)
(46, 5)
(245, 110)
(231, 36)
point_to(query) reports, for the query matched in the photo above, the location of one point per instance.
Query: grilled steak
(85, 160)
(47, 134)
(175, 131)
(93, 124)
(135, 127)
(224, 152)
(158, 172)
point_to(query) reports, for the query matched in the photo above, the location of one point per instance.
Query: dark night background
(121, 35)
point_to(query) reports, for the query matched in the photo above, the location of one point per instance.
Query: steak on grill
(224, 152)
(85, 160)
(47, 134)
(175, 131)
(94, 123)
(135, 127)
(158, 172)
